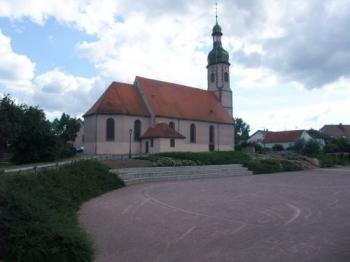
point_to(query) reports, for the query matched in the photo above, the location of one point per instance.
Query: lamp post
(130, 132)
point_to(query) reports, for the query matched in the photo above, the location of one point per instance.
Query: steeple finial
(216, 12)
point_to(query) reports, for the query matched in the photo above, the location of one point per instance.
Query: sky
(290, 60)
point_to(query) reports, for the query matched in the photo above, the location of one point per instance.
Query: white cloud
(16, 71)
(57, 91)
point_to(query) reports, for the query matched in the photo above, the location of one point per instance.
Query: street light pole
(130, 132)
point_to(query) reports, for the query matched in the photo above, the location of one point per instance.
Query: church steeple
(219, 69)
(218, 54)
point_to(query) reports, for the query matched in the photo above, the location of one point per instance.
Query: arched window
(172, 125)
(212, 77)
(137, 130)
(211, 135)
(110, 129)
(193, 133)
(226, 77)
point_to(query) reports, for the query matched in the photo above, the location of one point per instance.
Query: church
(153, 116)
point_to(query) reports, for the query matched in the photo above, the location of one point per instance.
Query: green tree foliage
(10, 117)
(31, 137)
(35, 140)
(311, 148)
(337, 146)
(242, 130)
(299, 145)
(66, 127)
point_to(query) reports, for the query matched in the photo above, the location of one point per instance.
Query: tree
(299, 145)
(311, 148)
(242, 130)
(10, 118)
(66, 128)
(35, 140)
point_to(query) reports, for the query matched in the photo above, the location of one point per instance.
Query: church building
(152, 116)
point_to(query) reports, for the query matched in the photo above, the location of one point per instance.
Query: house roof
(283, 136)
(161, 130)
(336, 131)
(119, 98)
(184, 102)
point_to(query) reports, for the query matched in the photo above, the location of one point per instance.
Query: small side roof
(161, 130)
(119, 98)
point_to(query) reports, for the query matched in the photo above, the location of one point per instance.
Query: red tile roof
(161, 130)
(119, 98)
(336, 131)
(283, 136)
(178, 101)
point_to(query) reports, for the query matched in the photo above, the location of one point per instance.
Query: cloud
(57, 91)
(16, 71)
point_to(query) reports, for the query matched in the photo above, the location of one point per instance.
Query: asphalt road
(301, 216)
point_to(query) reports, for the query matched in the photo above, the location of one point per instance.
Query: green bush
(265, 166)
(311, 148)
(278, 147)
(207, 158)
(168, 161)
(327, 160)
(38, 212)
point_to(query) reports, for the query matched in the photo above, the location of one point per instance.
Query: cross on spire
(216, 12)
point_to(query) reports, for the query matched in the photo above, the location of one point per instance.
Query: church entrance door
(211, 138)
(147, 147)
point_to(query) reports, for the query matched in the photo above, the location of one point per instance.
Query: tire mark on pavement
(297, 212)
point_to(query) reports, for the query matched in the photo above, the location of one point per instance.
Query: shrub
(311, 148)
(299, 145)
(207, 158)
(277, 147)
(38, 220)
(168, 161)
(266, 166)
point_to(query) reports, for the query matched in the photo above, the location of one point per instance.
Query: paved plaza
(288, 217)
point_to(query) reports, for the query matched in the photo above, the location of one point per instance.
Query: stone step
(165, 174)
(179, 177)
(153, 174)
(145, 169)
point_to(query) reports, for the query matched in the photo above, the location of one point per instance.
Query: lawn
(38, 212)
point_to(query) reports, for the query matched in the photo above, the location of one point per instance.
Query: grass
(38, 212)
(258, 166)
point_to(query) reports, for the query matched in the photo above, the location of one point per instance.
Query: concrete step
(153, 174)
(192, 173)
(178, 177)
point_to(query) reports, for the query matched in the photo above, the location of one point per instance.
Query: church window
(110, 129)
(172, 142)
(193, 133)
(211, 135)
(137, 130)
(172, 125)
(226, 77)
(212, 77)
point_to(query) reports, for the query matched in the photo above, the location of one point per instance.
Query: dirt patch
(116, 164)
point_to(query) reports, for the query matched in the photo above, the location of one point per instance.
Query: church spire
(219, 68)
(218, 54)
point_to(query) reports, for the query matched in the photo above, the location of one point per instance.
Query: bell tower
(219, 70)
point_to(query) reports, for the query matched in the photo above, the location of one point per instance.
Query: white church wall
(120, 145)
(224, 134)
